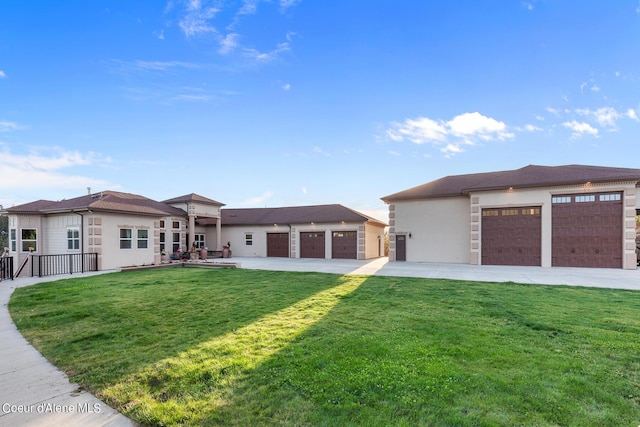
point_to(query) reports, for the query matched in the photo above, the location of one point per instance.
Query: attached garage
(278, 245)
(344, 245)
(512, 236)
(587, 230)
(312, 244)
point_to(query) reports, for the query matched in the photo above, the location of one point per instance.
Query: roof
(112, 201)
(193, 197)
(528, 176)
(293, 215)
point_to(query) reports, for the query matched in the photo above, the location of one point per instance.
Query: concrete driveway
(588, 277)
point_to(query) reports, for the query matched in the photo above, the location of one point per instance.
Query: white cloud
(319, 150)
(2, 74)
(228, 43)
(8, 126)
(286, 86)
(267, 56)
(304, 190)
(286, 4)
(464, 129)
(257, 200)
(606, 116)
(196, 21)
(37, 171)
(631, 113)
(529, 128)
(580, 129)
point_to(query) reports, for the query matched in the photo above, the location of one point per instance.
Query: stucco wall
(437, 230)
(374, 241)
(106, 228)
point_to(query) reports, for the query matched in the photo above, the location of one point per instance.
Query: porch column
(192, 226)
(218, 234)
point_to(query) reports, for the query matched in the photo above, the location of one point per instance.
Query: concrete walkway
(33, 392)
(588, 277)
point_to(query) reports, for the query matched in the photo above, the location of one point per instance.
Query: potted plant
(163, 256)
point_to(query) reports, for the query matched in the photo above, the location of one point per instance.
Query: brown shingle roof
(528, 176)
(293, 215)
(193, 197)
(112, 201)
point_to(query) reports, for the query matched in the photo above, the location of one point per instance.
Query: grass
(240, 347)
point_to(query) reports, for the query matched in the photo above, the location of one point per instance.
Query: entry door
(401, 247)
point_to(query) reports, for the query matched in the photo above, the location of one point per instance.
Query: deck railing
(6, 268)
(49, 265)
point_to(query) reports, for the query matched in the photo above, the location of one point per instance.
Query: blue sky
(295, 102)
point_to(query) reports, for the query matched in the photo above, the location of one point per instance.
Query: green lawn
(239, 347)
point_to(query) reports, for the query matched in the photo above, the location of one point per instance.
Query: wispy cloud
(607, 116)
(228, 43)
(257, 200)
(46, 169)
(451, 135)
(2, 74)
(319, 150)
(267, 56)
(9, 126)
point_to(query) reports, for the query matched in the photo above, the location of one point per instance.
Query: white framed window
(561, 199)
(13, 241)
(175, 225)
(29, 238)
(199, 241)
(248, 239)
(143, 239)
(609, 197)
(163, 241)
(73, 238)
(585, 199)
(125, 238)
(162, 223)
(175, 242)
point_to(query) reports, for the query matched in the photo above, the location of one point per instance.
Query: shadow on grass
(102, 328)
(414, 352)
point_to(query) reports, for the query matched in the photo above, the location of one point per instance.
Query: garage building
(319, 231)
(572, 216)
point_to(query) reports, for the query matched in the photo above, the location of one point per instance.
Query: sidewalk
(33, 392)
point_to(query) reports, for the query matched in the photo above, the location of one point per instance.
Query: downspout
(290, 239)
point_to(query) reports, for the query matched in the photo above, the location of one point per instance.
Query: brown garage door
(278, 244)
(312, 244)
(344, 244)
(587, 230)
(511, 236)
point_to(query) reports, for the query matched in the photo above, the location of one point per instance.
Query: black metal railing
(6, 268)
(50, 265)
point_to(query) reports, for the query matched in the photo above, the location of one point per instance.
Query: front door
(401, 247)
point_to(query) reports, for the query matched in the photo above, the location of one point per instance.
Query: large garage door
(312, 245)
(587, 230)
(278, 244)
(344, 244)
(511, 236)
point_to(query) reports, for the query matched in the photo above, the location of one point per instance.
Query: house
(128, 229)
(123, 229)
(572, 215)
(321, 231)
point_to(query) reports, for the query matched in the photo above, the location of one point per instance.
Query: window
(248, 239)
(12, 240)
(531, 211)
(73, 238)
(489, 212)
(509, 212)
(175, 225)
(162, 223)
(163, 239)
(125, 238)
(583, 199)
(561, 199)
(609, 197)
(29, 239)
(176, 242)
(143, 239)
(199, 241)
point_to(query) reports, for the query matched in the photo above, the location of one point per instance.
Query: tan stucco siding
(112, 256)
(237, 236)
(437, 230)
(373, 241)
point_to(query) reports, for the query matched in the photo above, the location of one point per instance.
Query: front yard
(240, 347)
